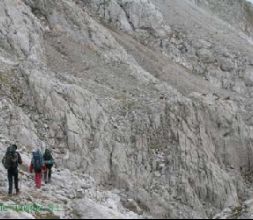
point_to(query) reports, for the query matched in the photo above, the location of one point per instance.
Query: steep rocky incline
(237, 13)
(147, 102)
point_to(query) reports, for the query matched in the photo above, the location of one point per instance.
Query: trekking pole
(22, 173)
(20, 180)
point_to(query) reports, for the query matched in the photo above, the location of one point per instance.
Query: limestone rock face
(148, 109)
(237, 13)
(140, 16)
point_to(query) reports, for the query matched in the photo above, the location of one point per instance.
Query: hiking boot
(10, 194)
(17, 192)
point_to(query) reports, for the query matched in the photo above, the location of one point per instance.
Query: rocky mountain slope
(237, 13)
(146, 104)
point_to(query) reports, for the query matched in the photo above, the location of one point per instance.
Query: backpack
(10, 160)
(48, 155)
(48, 158)
(37, 161)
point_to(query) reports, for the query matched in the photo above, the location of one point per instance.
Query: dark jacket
(18, 162)
(48, 159)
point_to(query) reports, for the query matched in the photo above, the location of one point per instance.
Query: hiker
(11, 161)
(38, 166)
(49, 163)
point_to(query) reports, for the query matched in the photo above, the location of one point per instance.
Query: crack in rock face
(145, 104)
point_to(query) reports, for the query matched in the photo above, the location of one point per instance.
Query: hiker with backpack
(49, 163)
(38, 166)
(11, 161)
